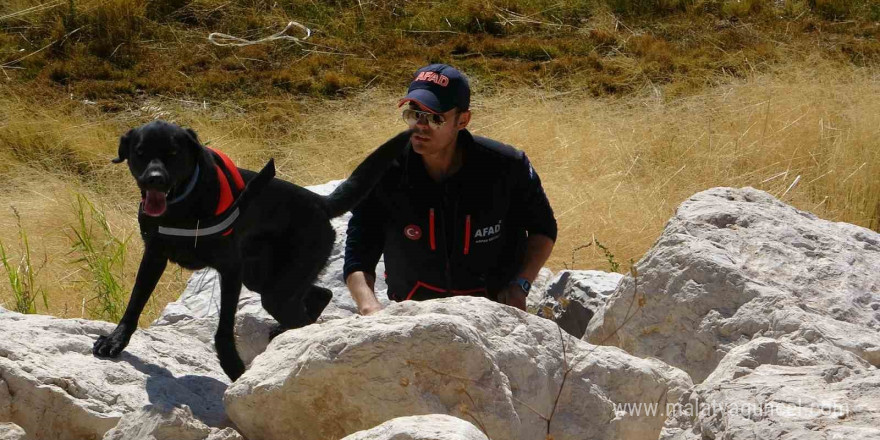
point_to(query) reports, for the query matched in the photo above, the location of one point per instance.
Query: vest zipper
(431, 230)
(467, 234)
(446, 241)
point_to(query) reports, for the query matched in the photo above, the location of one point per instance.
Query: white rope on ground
(219, 39)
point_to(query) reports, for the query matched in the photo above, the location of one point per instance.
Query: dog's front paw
(112, 345)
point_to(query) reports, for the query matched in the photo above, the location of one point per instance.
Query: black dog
(199, 210)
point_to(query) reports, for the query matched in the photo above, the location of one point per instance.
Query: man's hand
(538, 248)
(514, 296)
(361, 286)
(369, 309)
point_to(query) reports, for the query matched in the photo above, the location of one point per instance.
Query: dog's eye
(139, 151)
(173, 152)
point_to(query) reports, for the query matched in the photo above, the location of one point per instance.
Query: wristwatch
(523, 284)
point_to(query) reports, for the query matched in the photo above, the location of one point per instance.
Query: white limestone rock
(466, 357)
(430, 427)
(11, 431)
(735, 264)
(152, 423)
(54, 388)
(574, 296)
(775, 390)
(5, 400)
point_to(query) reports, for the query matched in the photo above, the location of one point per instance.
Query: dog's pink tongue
(154, 203)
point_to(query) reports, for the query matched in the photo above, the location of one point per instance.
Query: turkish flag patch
(412, 232)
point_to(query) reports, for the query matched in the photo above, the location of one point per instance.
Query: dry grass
(103, 49)
(614, 168)
(49, 152)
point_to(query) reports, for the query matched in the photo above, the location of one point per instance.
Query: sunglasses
(413, 117)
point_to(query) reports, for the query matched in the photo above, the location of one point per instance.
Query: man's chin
(419, 146)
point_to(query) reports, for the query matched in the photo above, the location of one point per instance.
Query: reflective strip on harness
(201, 232)
(439, 290)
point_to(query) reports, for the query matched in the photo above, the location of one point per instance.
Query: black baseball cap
(439, 88)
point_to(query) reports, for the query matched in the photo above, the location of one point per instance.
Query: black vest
(458, 237)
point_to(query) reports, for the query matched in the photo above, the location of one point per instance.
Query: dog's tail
(350, 192)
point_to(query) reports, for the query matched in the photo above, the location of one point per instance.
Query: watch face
(523, 284)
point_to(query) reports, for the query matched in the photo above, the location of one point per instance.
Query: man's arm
(364, 241)
(536, 215)
(538, 249)
(362, 287)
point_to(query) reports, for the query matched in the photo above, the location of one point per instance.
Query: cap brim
(425, 99)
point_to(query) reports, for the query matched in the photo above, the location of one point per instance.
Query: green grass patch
(22, 275)
(101, 256)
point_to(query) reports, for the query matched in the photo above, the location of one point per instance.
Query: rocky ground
(747, 319)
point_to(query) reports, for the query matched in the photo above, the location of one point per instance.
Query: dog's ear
(193, 138)
(124, 146)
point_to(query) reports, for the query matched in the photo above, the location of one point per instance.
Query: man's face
(428, 138)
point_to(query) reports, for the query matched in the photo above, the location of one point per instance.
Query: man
(456, 214)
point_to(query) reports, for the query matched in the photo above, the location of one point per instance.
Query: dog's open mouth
(154, 202)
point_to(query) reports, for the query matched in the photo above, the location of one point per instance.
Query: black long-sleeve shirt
(465, 235)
